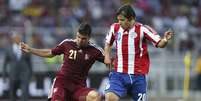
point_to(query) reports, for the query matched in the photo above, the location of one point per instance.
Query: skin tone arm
(38, 52)
(167, 36)
(107, 59)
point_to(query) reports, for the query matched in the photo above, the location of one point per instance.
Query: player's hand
(24, 47)
(108, 63)
(168, 34)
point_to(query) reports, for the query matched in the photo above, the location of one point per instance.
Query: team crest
(80, 51)
(86, 57)
(133, 35)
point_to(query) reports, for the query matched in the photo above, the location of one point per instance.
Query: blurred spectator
(17, 66)
(66, 18)
(3, 12)
(37, 41)
(199, 17)
(186, 43)
(18, 5)
(198, 71)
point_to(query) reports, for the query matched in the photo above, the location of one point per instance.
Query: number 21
(73, 54)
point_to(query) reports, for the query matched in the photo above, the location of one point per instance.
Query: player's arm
(38, 52)
(110, 37)
(107, 50)
(167, 36)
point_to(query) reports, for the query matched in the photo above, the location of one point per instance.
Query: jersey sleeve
(100, 55)
(110, 37)
(59, 49)
(151, 34)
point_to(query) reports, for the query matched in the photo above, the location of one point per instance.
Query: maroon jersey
(77, 61)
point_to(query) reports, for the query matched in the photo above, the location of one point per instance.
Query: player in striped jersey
(132, 60)
(79, 56)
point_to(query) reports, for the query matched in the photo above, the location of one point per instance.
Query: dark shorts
(67, 91)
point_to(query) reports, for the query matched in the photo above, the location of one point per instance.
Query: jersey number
(141, 97)
(73, 54)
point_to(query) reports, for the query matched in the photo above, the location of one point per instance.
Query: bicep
(151, 35)
(58, 50)
(109, 39)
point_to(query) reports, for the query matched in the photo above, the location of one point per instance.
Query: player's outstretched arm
(167, 36)
(38, 52)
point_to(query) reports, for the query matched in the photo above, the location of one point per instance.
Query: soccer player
(131, 61)
(79, 55)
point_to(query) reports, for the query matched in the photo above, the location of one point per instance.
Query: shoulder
(145, 27)
(66, 41)
(95, 47)
(115, 27)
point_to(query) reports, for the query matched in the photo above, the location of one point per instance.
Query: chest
(77, 55)
(127, 37)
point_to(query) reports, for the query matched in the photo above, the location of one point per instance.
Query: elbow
(50, 56)
(161, 45)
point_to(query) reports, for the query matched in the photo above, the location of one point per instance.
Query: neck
(132, 22)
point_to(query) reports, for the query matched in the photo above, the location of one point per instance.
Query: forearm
(41, 52)
(162, 43)
(107, 50)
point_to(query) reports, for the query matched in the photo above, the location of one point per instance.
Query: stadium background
(44, 23)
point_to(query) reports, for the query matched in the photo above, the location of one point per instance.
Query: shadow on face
(81, 40)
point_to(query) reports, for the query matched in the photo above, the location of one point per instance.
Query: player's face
(123, 21)
(82, 41)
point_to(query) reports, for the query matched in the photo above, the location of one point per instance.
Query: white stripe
(109, 35)
(141, 38)
(119, 51)
(131, 51)
(95, 46)
(65, 41)
(51, 90)
(130, 79)
(155, 37)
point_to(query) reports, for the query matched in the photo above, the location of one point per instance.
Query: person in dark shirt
(79, 56)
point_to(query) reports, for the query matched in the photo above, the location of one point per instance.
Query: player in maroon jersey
(79, 56)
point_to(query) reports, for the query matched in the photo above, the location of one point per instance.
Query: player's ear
(131, 18)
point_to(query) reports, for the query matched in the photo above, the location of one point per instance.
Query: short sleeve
(59, 49)
(151, 35)
(100, 55)
(110, 37)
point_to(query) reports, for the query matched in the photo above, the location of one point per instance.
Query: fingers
(24, 47)
(169, 33)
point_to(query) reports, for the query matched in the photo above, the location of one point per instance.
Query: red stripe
(125, 52)
(112, 39)
(137, 50)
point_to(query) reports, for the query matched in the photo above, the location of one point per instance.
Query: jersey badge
(86, 57)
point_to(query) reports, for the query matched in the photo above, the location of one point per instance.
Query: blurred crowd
(45, 23)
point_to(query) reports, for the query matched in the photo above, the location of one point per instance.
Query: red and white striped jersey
(131, 47)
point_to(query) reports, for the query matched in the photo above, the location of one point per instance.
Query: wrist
(165, 40)
(29, 49)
